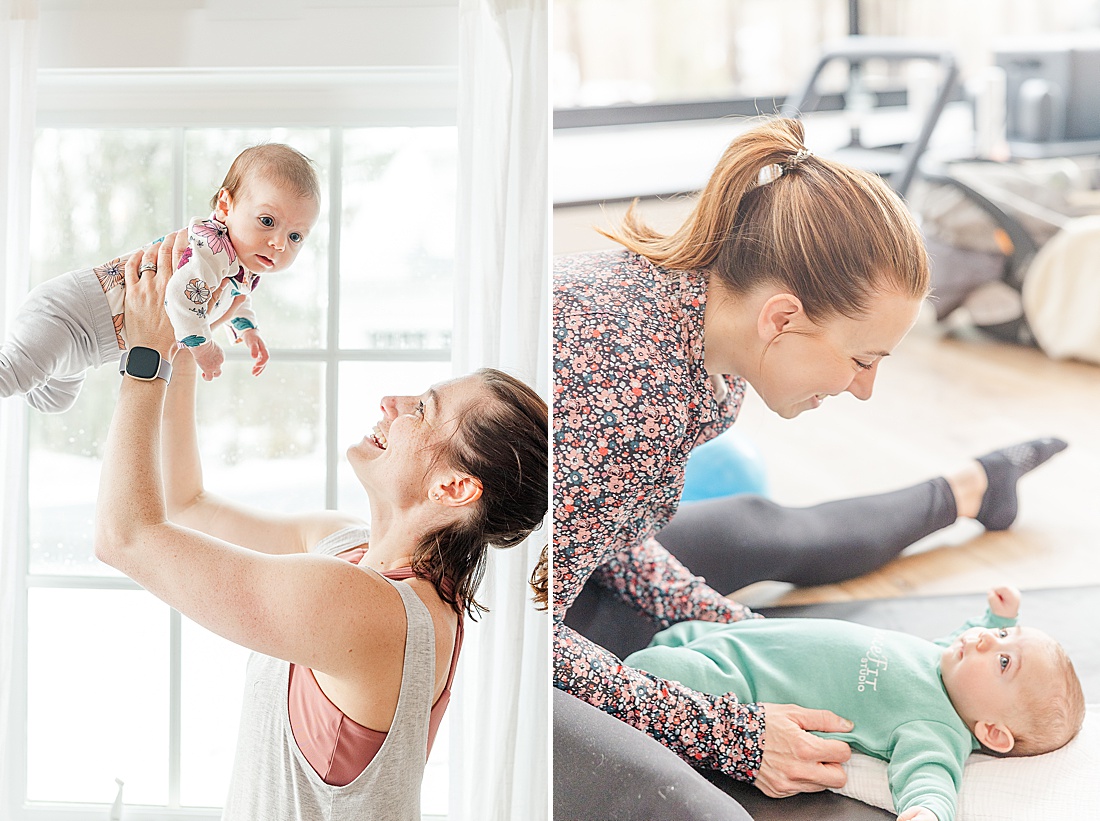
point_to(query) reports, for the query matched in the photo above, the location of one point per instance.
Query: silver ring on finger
(147, 266)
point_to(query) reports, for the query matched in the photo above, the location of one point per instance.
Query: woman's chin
(791, 411)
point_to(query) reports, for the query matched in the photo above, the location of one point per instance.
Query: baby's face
(267, 224)
(990, 673)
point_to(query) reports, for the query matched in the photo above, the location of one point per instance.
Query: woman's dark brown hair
(502, 441)
(540, 580)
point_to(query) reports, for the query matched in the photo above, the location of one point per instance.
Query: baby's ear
(995, 736)
(224, 201)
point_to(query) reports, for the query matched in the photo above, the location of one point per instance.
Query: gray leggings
(63, 328)
(732, 542)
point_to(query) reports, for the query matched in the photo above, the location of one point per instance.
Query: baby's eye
(1002, 633)
(1003, 661)
(295, 236)
(267, 222)
(863, 365)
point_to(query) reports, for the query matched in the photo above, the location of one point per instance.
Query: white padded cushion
(1061, 292)
(1061, 784)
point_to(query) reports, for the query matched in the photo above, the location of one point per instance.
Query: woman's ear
(780, 312)
(456, 490)
(994, 735)
(225, 201)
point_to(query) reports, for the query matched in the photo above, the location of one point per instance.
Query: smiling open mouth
(378, 437)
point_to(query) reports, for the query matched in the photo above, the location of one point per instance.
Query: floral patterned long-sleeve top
(192, 300)
(631, 400)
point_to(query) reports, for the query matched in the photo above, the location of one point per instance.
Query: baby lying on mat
(921, 706)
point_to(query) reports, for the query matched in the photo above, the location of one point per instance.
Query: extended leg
(63, 328)
(738, 540)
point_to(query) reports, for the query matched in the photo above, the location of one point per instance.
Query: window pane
(262, 437)
(97, 683)
(213, 690)
(290, 304)
(65, 461)
(274, 461)
(397, 241)
(974, 29)
(362, 386)
(649, 51)
(97, 194)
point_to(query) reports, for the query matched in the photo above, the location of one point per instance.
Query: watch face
(143, 363)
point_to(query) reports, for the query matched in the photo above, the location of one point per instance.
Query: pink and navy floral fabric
(631, 400)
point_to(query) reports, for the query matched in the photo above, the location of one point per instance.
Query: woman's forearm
(131, 498)
(180, 460)
(131, 495)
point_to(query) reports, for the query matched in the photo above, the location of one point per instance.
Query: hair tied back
(770, 173)
(796, 159)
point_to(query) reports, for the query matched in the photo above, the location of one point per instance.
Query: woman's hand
(146, 320)
(794, 760)
(1004, 602)
(918, 814)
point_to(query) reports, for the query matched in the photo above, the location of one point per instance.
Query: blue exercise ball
(725, 466)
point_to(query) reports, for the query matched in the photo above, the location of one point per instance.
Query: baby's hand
(918, 814)
(256, 349)
(209, 358)
(1004, 602)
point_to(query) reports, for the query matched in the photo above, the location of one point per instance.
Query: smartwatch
(145, 364)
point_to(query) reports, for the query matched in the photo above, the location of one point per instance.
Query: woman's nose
(864, 383)
(397, 405)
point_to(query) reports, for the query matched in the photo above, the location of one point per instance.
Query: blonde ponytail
(831, 234)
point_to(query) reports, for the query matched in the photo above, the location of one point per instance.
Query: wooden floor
(938, 401)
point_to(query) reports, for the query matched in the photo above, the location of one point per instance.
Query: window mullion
(332, 342)
(175, 707)
(18, 446)
(175, 628)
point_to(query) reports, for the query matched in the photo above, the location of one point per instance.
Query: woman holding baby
(356, 631)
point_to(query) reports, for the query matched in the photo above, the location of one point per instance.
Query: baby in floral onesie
(264, 210)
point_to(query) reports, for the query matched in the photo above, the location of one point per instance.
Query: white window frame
(334, 99)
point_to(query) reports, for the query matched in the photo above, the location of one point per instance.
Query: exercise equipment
(725, 466)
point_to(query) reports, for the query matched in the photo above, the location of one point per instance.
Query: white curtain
(18, 63)
(500, 734)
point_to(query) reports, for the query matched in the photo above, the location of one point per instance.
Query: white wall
(253, 33)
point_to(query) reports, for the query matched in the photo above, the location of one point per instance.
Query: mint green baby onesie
(887, 683)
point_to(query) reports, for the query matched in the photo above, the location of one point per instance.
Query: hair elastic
(770, 173)
(795, 160)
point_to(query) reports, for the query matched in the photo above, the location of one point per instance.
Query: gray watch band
(144, 364)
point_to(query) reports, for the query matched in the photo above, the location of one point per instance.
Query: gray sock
(1004, 468)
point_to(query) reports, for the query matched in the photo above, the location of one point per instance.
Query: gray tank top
(272, 779)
